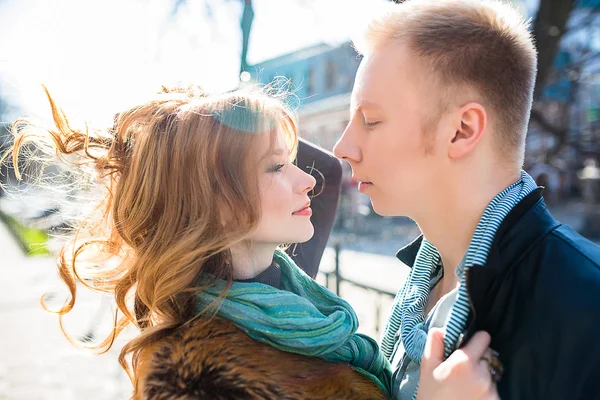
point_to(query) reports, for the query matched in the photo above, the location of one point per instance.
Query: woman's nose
(307, 182)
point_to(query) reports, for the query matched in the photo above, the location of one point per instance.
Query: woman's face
(283, 188)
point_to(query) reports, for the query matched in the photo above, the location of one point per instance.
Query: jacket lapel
(408, 254)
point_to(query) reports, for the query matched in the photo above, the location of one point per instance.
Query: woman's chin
(305, 236)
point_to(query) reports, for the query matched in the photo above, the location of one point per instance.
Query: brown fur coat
(217, 361)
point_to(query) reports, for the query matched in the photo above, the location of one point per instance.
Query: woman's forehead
(274, 143)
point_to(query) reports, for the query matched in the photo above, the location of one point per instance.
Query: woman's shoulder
(212, 358)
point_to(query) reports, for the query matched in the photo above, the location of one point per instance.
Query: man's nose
(347, 148)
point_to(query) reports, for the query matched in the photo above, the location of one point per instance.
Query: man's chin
(384, 210)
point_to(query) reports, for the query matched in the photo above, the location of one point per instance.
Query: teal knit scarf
(304, 318)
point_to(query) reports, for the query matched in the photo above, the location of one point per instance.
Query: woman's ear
(470, 127)
(225, 213)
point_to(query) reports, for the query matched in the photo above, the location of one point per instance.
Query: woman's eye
(276, 168)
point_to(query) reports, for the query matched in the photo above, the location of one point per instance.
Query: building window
(330, 72)
(311, 84)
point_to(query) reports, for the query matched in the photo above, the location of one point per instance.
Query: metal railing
(336, 278)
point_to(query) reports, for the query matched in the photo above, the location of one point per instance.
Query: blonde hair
(482, 44)
(169, 170)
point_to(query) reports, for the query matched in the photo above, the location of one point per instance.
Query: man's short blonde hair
(480, 44)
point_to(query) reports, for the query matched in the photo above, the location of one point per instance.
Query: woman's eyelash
(276, 168)
(371, 124)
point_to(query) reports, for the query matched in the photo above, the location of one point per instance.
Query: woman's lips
(304, 211)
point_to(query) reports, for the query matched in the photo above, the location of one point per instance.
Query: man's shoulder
(568, 257)
(568, 243)
(568, 270)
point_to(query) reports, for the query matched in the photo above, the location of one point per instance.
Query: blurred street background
(98, 57)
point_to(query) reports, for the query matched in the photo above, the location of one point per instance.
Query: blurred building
(570, 103)
(321, 76)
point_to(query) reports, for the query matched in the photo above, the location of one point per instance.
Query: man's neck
(452, 221)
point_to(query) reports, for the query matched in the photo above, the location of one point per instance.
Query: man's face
(385, 141)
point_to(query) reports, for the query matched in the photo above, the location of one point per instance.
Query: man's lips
(362, 186)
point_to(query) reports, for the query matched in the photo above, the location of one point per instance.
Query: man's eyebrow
(364, 104)
(368, 104)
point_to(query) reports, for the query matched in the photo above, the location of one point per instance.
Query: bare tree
(548, 29)
(246, 25)
(551, 27)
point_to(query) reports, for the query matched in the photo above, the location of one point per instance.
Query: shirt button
(459, 342)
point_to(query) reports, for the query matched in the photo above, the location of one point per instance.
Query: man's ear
(471, 125)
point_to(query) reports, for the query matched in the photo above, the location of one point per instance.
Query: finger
(484, 370)
(476, 347)
(488, 355)
(434, 349)
(493, 394)
(484, 374)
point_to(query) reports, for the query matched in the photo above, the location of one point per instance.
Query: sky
(97, 57)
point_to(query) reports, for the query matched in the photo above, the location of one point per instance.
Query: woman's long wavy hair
(170, 170)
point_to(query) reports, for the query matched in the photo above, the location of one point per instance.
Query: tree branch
(559, 133)
(584, 22)
(538, 117)
(576, 65)
(548, 29)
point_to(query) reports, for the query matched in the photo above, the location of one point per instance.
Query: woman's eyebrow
(271, 153)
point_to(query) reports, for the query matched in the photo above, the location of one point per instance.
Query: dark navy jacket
(539, 298)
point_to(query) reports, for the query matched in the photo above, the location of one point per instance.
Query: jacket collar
(525, 225)
(408, 254)
(513, 224)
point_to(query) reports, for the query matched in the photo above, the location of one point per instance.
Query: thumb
(477, 346)
(434, 349)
